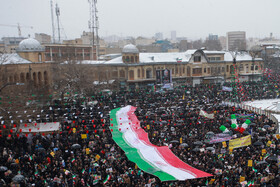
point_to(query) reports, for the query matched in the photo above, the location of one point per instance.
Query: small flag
(251, 183)
(30, 158)
(255, 170)
(107, 179)
(83, 171)
(224, 129)
(36, 173)
(73, 160)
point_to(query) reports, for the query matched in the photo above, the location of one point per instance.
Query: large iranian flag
(158, 161)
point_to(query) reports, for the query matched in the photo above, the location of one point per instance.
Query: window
(223, 69)
(122, 74)
(197, 59)
(132, 59)
(208, 70)
(149, 73)
(138, 73)
(204, 70)
(183, 70)
(252, 67)
(131, 75)
(241, 68)
(176, 70)
(197, 70)
(256, 67)
(173, 71)
(227, 68)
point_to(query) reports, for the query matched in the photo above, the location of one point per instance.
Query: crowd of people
(83, 153)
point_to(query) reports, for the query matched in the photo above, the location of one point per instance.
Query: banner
(156, 160)
(39, 127)
(158, 76)
(217, 138)
(227, 89)
(240, 142)
(206, 115)
(166, 76)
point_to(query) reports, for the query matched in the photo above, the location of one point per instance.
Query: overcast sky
(190, 18)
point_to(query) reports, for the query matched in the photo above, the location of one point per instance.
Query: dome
(30, 45)
(130, 49)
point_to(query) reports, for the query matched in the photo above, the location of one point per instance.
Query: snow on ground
(266, 105)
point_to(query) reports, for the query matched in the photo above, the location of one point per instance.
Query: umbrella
(3, 168)
(253, 124)
(164, 122)
(196, 149)
(258, 143)
(184, 145)
(272, 158)
(76, 146)
(227, 125)
(266, 126)
(18, 178)
(41, 149)
(198, 143)
(261, 138)
(210, 148)
(210, 133)
(174, 141)
(261, 162)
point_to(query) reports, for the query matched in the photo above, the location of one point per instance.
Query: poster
(240, 142)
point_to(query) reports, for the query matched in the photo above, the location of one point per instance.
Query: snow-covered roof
(13, 58)
(130, 48)
(240, 56)
(29, 45)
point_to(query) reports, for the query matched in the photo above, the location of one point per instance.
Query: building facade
(32, 65)
(236, 41)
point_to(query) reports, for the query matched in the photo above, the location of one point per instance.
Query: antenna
(53, 32)
(93, 25)
(57, 12)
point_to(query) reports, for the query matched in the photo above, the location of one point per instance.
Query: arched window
(27, 77)
(136, 59)
(40, 57)
(132, 59)
(16, 78)
(11, 79)
(127, 59)
(35, 78)
(131, 75)
(22, 78)
(39, 78)
(149, 73)
(227, 68)
(46, 78)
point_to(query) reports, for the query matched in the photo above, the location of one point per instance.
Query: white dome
(130, 49)
(29, 44)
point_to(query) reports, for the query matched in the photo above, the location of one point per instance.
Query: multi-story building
(236, 41)
(43, 38)
(132, 68)
(173, 36)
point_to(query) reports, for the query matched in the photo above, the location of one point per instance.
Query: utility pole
(53, 32)
(57, 12)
